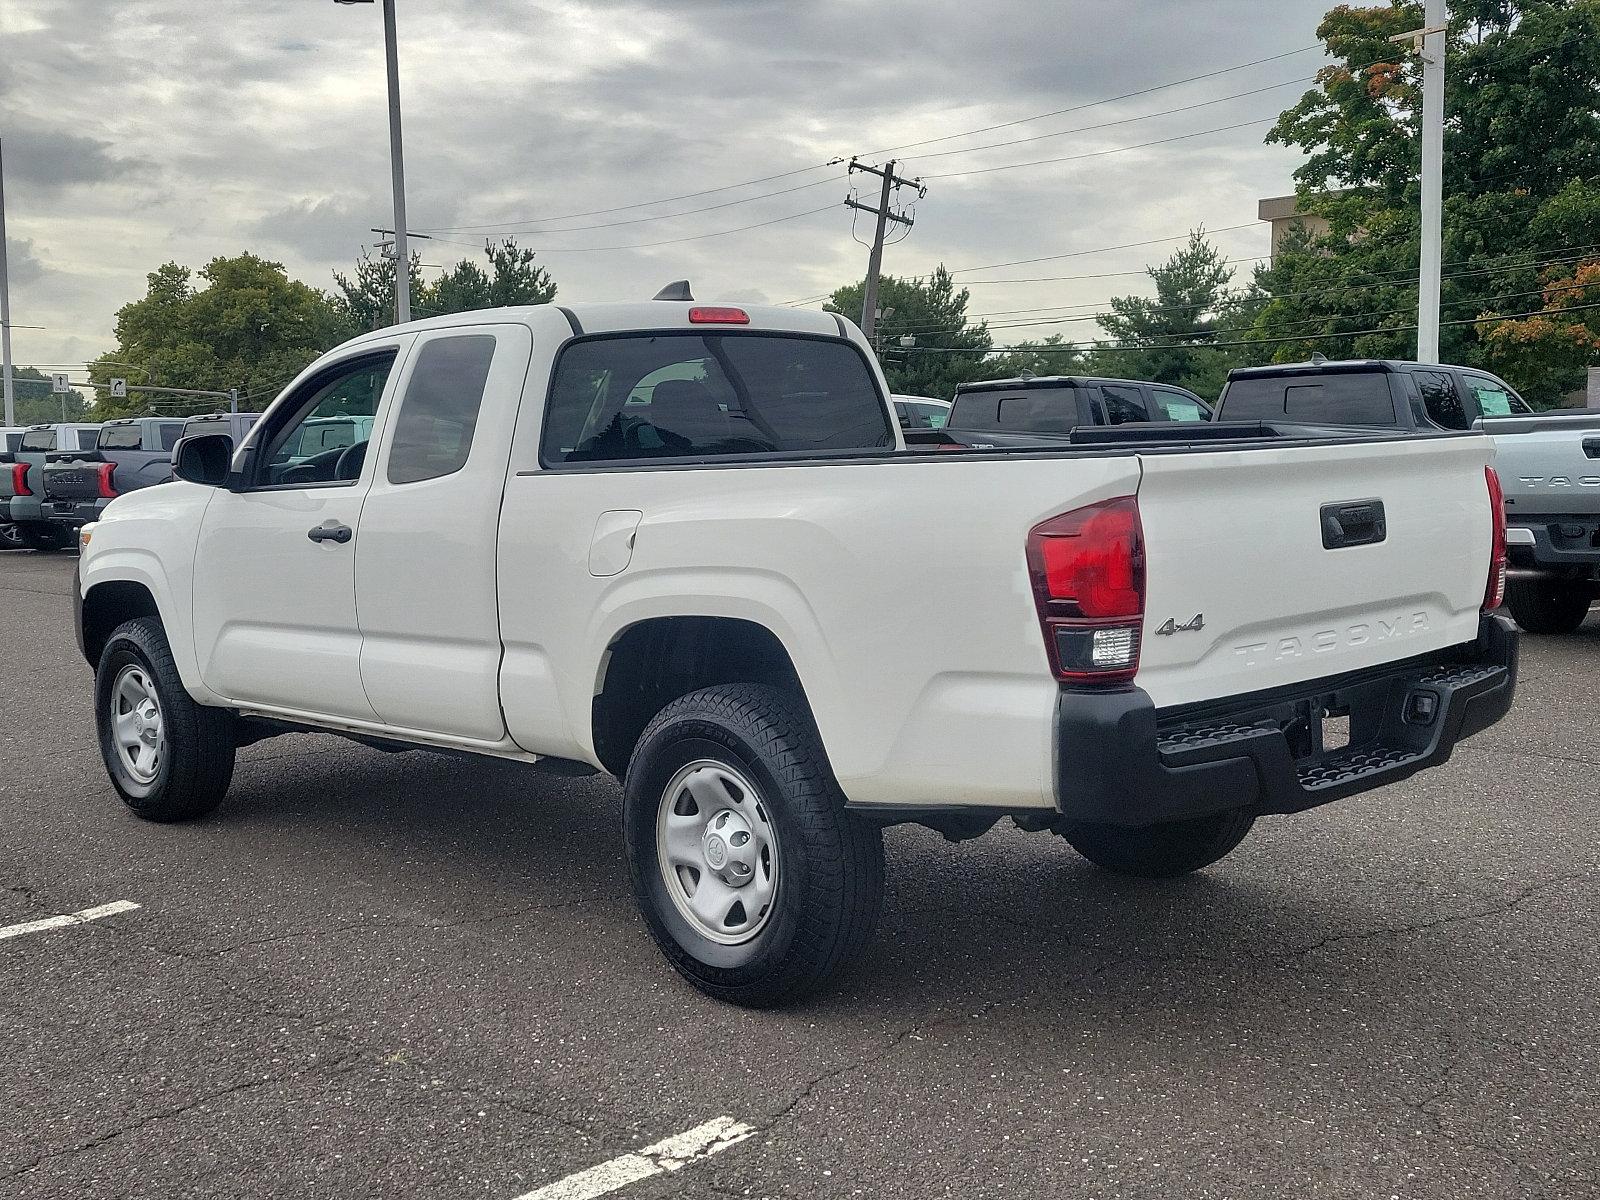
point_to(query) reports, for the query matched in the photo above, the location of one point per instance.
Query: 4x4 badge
(1198, 621)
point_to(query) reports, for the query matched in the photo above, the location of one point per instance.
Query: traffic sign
(119, 387)
(58, 383)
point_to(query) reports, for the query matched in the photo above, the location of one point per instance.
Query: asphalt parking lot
(414, 975)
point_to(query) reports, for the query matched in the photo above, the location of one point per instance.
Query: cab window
(1124, 403)
(1440, 400)
(324, 439)
(1173, 405)
(433, 432)
(1492, 398)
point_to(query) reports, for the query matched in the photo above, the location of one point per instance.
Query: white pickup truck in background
(684, 544)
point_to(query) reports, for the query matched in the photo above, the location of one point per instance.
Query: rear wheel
(1159, 851)
(754, 881)
(1548, 606)
(169, 758)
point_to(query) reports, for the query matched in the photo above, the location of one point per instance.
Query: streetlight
(402, 254)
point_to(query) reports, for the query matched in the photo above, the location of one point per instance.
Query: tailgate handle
(1591, 447)
(1352, 523)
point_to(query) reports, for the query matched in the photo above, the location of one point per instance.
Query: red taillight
(1087, 569)
(1495, 592)
(718, 316)
(108, 489)
(19, 480)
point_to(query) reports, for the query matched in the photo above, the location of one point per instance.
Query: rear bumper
(1567, 545)
(19, 509)
(1123, 762)
(74, 513)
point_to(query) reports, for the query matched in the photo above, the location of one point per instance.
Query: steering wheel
(349, 463)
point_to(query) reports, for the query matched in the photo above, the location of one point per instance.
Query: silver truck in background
(1548, 463)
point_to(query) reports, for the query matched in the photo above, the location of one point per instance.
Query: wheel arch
(653, 661)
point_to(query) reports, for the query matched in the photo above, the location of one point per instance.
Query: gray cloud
(140, 131)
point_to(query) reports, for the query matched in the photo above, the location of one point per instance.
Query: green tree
(1172, 328)
(36, 404)
(944, 348)
(1521, 183)
(513, 277)
(251, 327)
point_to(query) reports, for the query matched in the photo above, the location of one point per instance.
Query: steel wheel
(136, 723)
(718, 851)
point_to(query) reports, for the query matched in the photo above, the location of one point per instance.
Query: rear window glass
(170, 435)
(1030, 410)
(691, 395)
(12, 441)
(39, 439)
(121, 437)
(1337, 399)
(433, 434)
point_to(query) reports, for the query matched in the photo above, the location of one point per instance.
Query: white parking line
(669, 1154)
(61, 922)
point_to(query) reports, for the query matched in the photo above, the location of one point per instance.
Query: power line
(1044, 162)
(810, 212)
(1308, 337)
(1166, 112)
(667, 216)
(598, 212)
(1060, 112)
(1177, 237)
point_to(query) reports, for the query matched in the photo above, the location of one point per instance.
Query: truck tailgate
(1243, 594)
(1548, 463)
(73, 476)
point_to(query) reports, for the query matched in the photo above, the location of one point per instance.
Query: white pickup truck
(684, 544)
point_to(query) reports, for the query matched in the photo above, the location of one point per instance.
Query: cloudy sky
(141, 131)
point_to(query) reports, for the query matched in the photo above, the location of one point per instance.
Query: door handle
(330, 532)
(1353, 523)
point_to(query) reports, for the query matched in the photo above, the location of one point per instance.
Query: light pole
(5, 311)
(1429, 42)
(402, 252)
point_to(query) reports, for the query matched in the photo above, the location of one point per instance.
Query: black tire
(1160, 851)
(1548, 606)
(10, 536)
(195, 762)
(829, 887)
(41, 537)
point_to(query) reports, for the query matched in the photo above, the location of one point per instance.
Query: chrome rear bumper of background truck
(1122, 761)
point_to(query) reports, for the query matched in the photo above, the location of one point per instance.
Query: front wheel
(1548, 606)
(169, 758)
(1162, 851)
(754, 881)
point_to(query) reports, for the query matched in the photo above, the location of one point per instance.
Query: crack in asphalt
(177, 1110)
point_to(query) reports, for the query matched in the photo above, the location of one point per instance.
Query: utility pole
(1429, 41)
(402, 254)
(891, 181)
(5, 307)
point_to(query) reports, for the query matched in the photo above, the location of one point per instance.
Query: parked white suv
(684, 544)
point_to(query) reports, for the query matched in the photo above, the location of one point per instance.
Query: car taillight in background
(1087, 569)
(19, 480)
(1495, 592)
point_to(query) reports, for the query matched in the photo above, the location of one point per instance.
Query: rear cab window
(121, 437)
(39, 439)
(1028, 410)
(1345, 398)
(620, 398)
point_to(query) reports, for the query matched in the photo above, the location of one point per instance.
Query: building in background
(1284, 214)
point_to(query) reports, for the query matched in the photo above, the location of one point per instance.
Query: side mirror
(242, 471)
(203, 458)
